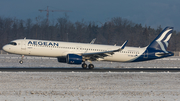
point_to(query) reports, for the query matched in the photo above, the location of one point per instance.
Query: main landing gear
(21, 61)
(90, 66)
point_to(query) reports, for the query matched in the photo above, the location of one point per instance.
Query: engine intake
(62, 59)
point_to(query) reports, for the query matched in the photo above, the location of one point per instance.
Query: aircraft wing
(94, 56)
(92, 42)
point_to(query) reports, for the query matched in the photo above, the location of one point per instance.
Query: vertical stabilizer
(162, 40)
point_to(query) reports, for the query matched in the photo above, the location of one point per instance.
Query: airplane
(79, 53)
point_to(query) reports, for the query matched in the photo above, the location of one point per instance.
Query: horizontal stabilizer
(160, 54)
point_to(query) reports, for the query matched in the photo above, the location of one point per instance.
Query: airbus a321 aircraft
(79, 53)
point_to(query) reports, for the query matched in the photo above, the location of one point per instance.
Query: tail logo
(163, 39)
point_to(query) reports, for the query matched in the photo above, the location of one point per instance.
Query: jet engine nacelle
(74, 59)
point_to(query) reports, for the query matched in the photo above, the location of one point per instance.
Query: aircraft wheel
(84, 66)
(21, 62)
(91, 66)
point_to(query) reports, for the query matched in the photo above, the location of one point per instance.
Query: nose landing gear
(21, 61)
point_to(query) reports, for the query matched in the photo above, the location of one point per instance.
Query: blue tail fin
(162, 40)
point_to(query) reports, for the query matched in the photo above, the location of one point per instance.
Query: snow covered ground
(89, 86)
(53, 86)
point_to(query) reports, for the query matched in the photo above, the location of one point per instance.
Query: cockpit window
(13, 43)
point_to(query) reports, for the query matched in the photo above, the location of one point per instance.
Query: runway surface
(89, 70)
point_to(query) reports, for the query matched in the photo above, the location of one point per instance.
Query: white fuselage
(58, 49)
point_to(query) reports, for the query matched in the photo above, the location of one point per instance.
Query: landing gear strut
(21, 61)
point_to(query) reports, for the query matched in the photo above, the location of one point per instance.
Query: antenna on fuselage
(25, 38)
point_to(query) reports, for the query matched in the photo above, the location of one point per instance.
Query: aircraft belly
(119, 58)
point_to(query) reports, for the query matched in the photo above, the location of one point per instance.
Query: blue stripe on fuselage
(150, 54)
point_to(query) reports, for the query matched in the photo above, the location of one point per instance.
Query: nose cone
(5, 48)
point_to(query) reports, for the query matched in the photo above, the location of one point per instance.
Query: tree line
(115, 31)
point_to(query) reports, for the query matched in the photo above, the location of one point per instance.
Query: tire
(21, 62)
(91, 66)
(84, 66)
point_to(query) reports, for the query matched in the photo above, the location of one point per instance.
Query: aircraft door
(146, 54)
(23, 45)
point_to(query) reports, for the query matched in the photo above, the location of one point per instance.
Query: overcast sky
(147, 12)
